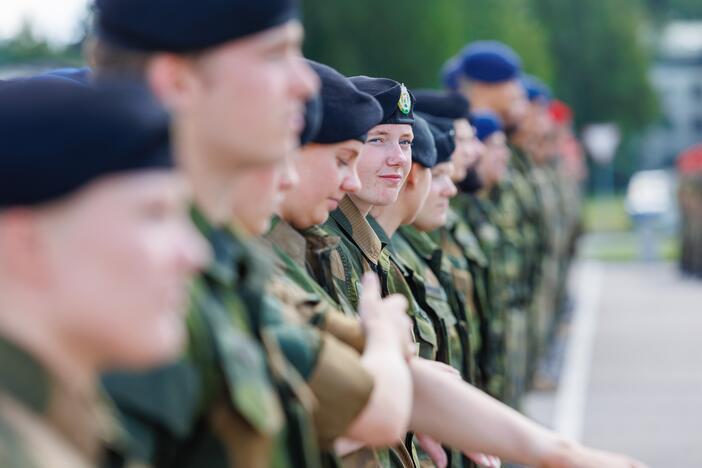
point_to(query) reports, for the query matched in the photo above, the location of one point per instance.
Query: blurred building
(677, 77)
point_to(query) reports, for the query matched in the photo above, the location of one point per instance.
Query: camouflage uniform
(546, 180)
(432, 286)
(46, 422)
(360, 250)
(233, 400)
(296, 253)
(535, 235)
(497, 271)
(468, 267)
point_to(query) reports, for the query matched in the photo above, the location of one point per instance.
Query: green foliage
(27, 48)
(410, 40)
(601, 61)
(589, 50)
(682, 9)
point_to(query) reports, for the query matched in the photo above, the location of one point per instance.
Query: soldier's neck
(207, 181)
(389, 217)
(363, 207)
(28, 325)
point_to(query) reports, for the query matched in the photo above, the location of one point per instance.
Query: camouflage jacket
(468, 270)
(500, 282)
(46, 422)
(434, 291)
(233, 399)
(358, 251)
(531, 216)
(296, 251)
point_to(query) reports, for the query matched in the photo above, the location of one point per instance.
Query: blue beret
(58, 135)
(536, 89)
(394, 98)
(450, 73)
(186, 25)
(423, 146)
(490, 62)
(313, 119)
(445, 143)
(446, 104)
(79, 75)
(348, 113)
(486, 123)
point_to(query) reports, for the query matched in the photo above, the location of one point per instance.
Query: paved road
(635, 382)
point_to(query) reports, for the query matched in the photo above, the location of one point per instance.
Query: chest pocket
(452, 346)
(425, 334)
(246, 375)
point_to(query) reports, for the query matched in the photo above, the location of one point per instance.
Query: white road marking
(571, 398)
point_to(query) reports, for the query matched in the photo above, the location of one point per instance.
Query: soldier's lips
(391, 179)
(332, 204)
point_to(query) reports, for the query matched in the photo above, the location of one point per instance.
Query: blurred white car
(652, 196)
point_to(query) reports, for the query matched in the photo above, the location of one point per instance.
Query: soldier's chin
(154, 346)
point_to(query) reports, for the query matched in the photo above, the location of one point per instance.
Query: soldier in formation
(335, 272)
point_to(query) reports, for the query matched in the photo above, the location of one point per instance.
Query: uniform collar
(288, 239)
(356, 227)
(420, 242)
(232, 257)
(84, 418)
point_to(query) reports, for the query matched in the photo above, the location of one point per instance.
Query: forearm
(385, 418)
(467, 419)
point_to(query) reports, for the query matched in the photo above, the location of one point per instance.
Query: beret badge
(405, 102)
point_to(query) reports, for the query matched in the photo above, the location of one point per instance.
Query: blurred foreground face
(326, 173)
(493, 166)
(247, 96)
(257, 194)
(434, 212)
(116, 258)
(467, 152)
(384, 163)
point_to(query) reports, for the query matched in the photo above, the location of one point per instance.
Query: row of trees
(594, 53)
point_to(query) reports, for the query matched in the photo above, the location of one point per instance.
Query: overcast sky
(56, 20)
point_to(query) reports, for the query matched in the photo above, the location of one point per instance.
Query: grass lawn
(611, 236)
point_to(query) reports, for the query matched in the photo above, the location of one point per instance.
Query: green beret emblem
(405, 102)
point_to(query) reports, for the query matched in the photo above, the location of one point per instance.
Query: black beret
(313, 119)
(445, 142)
(58, 135)
(186, 25)
(348, 112)
(446, 104)
(442, 123)
(423, 146)
(395, 99)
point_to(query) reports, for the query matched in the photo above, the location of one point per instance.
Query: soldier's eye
(374, 140)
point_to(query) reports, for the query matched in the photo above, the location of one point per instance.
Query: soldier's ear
(413, 175)
(170, 77)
